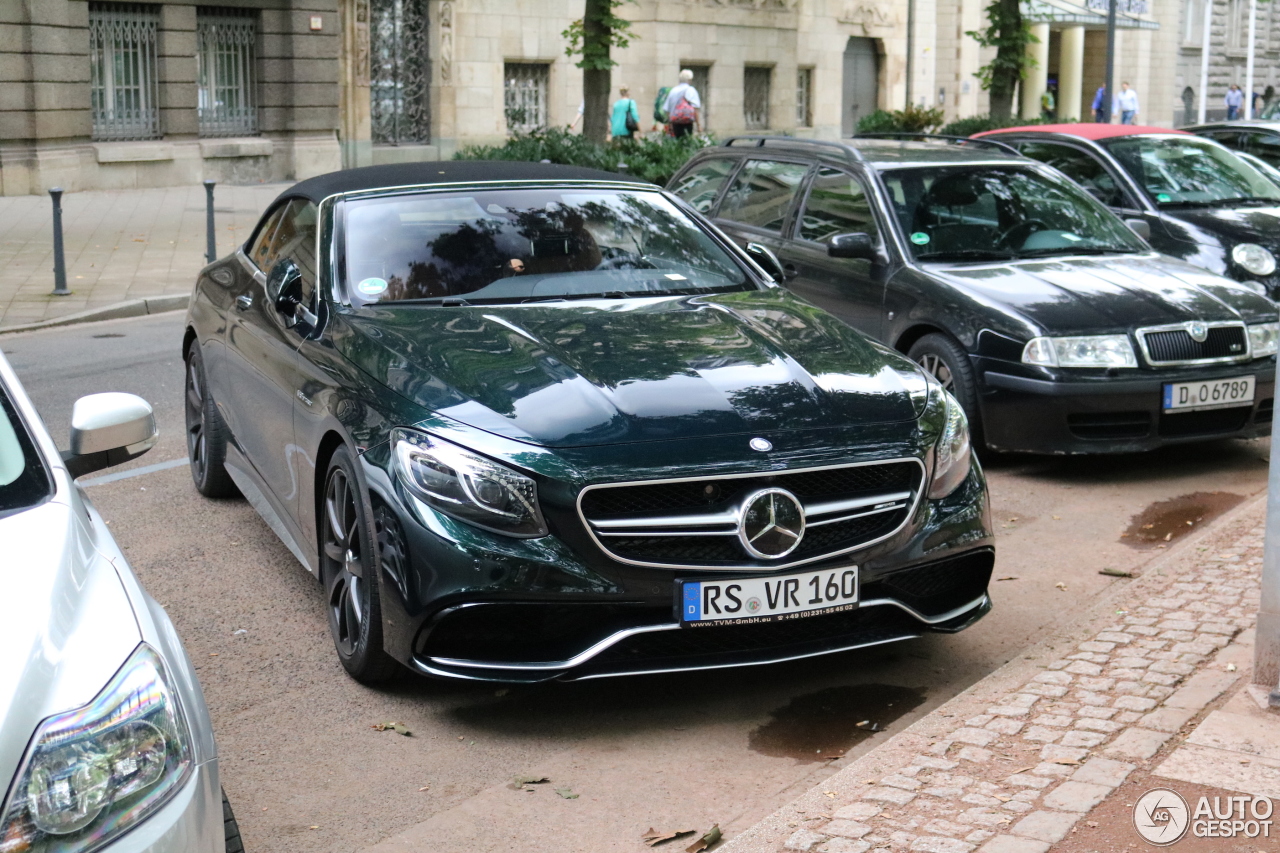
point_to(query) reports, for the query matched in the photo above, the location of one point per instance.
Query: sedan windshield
(523, 245)
(23, 480)
(1184, 171)
(1005, 212)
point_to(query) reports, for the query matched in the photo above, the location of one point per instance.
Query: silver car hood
(66, 622)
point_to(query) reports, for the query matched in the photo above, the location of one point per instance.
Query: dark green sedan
(529, 422)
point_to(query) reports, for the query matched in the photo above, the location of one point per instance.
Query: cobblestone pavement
(1018, 777)
(119, 245)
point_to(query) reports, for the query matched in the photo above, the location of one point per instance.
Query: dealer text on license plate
(768, 599)
(1208, 394)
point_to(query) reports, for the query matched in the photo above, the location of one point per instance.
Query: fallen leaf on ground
(1231, 667)
(392, 726)
(1025, 769)
(425, 788)
(1115, 573)
(1062, 586)
(1090, 823)
(1065, 761)
(655, 837)
(566, 794)
(518, 782)
(711, 837)
(1008, 578)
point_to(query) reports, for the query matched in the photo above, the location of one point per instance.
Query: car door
(758, 205)
(837, 202)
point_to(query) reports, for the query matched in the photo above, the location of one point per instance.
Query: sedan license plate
(746, 600)
(1208, 394)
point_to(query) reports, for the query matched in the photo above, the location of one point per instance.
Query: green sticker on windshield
(920, 238)
(372, 286)
(1163, 197)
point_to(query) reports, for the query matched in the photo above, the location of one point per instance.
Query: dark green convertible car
(528, 422)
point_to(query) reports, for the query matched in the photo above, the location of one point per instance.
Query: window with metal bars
(525, 87)
(399, 72)
(804, 97)
(226, 49)
(122, 63)
(756, 82)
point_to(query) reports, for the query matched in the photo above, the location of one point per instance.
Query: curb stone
(117, 311)
(1097, 690)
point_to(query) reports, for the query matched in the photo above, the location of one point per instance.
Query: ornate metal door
(399, 72)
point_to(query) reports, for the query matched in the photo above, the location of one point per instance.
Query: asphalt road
(306, 772)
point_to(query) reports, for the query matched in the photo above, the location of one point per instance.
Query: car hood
(614, 371)
(66, 624)
(1229, 225)
(1114, 292)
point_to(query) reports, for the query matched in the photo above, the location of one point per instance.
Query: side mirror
(765, 257)
(1141, 227)
(284, 288)
(109, 429)
(857, 245)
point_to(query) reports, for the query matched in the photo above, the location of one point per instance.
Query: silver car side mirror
(109, 429)
(1141, 227)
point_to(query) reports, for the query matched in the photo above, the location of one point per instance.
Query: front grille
(1176, 346)
(1097, 426)
(1211, 422)
(693, 522)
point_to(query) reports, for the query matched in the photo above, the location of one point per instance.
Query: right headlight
(1254, 258)
(951, 453)
(95, 772)
(466, 485)
(1089, 351)
(1263, 338)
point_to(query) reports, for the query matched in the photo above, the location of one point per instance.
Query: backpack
(660, 105)
(683, 113)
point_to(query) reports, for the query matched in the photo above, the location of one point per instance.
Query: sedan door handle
(244, 302)
(789, 271)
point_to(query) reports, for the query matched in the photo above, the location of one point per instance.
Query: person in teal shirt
(624, 108)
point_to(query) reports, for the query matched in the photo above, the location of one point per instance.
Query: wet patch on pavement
(825, 725)
(1169, 520)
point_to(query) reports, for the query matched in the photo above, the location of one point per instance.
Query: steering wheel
(1030, 226)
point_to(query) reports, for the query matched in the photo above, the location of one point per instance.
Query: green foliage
(654, 160)
(977, 124)
(1009, 34)
(582, 39)
(911, 120)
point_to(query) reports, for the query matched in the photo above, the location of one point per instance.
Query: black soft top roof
(441, 172)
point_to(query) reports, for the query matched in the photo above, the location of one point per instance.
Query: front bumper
(1111, 414)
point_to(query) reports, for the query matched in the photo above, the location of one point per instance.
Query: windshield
(23, 480)
(520, 245)
(1001, 212)
(1184, 171)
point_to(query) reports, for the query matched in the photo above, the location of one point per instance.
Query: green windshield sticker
(1163, 197)
(372, 286)
(920, 238)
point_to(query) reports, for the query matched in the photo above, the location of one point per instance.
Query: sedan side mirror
(765, 257)
(1141, 227)
(856, 245)
(284, 288)
(109, 429)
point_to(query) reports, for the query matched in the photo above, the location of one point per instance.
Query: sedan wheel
(945, 360)
(206, 433)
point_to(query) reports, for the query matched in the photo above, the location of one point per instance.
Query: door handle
(244, 302)
(789, 271)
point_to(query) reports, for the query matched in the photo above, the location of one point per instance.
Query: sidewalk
(119, 245)
(1054, 750)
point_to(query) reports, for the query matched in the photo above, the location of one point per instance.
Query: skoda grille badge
(770, 524)
(1198, 331)
(761, 444)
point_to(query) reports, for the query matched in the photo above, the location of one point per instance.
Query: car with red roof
(1201, 202)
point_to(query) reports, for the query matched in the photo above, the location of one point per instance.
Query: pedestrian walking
(1127, 104)
(1100, 105)
(684, 107)
(1234, 100)
(624, 119)
(1048, 104)
(660, 108)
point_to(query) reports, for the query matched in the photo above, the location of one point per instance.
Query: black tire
(206, 433)
(942, 357)
(230, 828)
(351, 597)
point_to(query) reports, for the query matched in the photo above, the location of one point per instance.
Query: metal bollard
(59, 258)
(211, 236)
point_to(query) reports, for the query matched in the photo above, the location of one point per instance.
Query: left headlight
(466, 485)
(1263, 338)
(951, 453)
(1089, 351)
(95, 772)
(1254, 258)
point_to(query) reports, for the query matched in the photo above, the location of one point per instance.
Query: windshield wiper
(1252, 199)
(1081, 250)
(968, 255)
(1224, 202)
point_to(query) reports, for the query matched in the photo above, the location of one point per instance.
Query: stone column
(1037, 78)
(1071, 75)
(355, 131)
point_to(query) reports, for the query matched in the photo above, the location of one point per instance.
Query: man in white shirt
(684, 106)
(1127, 104)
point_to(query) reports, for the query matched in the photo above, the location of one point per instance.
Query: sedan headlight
(466, 485)
(1254, 258)
(95, 772)
(1091, 351)
(1263, 338)
(951, 453)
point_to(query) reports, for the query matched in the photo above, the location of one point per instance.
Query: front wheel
(945, 360)
(230, 829)
(206, 433)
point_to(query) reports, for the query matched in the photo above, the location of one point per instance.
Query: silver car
(105, 740)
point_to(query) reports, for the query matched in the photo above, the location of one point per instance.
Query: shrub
(911, 120)
(977, 124)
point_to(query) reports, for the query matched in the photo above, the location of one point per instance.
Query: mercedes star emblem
(761, 444)
(1198, 331)
(770, 524)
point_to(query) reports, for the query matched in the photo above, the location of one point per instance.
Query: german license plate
(1208, 394)
(746, 600)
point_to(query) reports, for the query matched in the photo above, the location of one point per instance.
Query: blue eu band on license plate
(767, 599)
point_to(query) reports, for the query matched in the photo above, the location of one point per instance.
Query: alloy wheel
(343, 548)
(197, 440)
(936, 367)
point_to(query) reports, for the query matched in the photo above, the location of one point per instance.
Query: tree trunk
(596, 77)
(1009, 61)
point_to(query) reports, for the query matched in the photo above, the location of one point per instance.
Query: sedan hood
(66, 624)
(1088, 295)
(1230, 225)
(581, 373)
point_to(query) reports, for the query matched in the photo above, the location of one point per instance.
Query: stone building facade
(1228, 35)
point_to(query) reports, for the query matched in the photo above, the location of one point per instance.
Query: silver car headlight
(95, 772)
(1263, 338)
(1254, 258)
(951, 455)
(466, 485)
(1090, 351)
